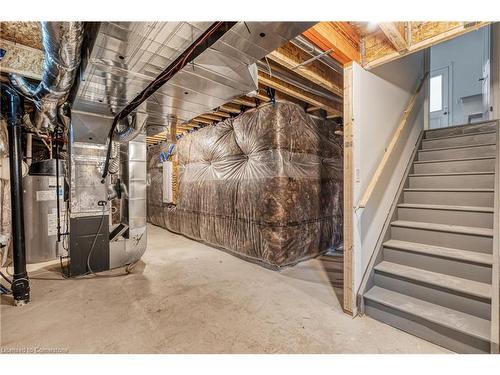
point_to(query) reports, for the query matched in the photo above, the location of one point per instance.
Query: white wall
(465, 56)
(379, 98)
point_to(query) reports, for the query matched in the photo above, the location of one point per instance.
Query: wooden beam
(426, 38)
(211, 116)
(392, 33)
(230, 108)
(173, 131)
(290, 57)
(245, 102)
(221, 114)
(312, 108)
(338, 36)
(262, 97)
(297, 93)
(203, 121)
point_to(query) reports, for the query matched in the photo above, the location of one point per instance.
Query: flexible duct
(129, 127)
(62, 43)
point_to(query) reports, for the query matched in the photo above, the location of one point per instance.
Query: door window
(436, 93)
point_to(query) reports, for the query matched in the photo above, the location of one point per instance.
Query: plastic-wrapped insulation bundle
(5, 214)
(266, 186)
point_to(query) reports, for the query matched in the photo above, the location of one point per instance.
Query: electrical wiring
(6, 278)
(4, 290)
(95, 238)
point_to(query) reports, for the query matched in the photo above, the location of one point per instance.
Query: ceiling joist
(291, 57)
(418, 36)
(391, 31)
(340, 37)
(297, 93)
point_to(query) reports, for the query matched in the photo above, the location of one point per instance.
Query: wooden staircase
(433, 274)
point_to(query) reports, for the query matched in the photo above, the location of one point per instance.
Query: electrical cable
(6, 278)
(5, 290)
(95, 237)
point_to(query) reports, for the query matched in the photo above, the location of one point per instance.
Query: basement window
(436, 93)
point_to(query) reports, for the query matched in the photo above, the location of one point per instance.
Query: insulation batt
(265, 186)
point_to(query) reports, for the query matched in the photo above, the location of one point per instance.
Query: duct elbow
(130, 128)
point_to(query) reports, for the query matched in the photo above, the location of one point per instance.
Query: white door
(485, 84)
(439, 98)
(485, 78)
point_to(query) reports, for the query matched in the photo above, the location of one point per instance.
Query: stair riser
(445, 239)
(459, 130)
(443, 297)
(459, 153)
(481, 165)
(455, 198)
(465, 270)
(455, 182)
(466, 140)
(464, 218)
(445, 337)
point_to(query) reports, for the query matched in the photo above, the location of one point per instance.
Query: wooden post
(348, 191)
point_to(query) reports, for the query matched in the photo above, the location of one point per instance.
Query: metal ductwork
(62, 43)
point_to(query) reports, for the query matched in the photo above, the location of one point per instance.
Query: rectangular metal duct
(127, 56)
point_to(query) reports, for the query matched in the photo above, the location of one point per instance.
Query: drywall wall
(380, 97)
(464, 56)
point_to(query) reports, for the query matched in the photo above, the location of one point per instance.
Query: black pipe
(11, 105)
(57, 139)
(205, 41)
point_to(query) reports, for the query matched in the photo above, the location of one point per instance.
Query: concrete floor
(186, 297)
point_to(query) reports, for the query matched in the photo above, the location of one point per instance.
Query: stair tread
(450, 174)
(453, 319)
(485, 232)
(450, 189)
(449, 160)
(466, 125)
(446, 207)
(456, 147)
(440, 251)
(459, 135)
(457, 284)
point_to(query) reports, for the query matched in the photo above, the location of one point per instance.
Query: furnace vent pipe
(11, 106)
(62, 43)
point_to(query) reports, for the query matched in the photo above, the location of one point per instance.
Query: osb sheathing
(424, 30)
(22, 60)
(376, 45)
(25, 33)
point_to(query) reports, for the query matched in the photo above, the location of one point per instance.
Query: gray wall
(379, 98)
(465, 56)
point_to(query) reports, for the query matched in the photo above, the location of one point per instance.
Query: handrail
(495, 299)
(388, 152)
